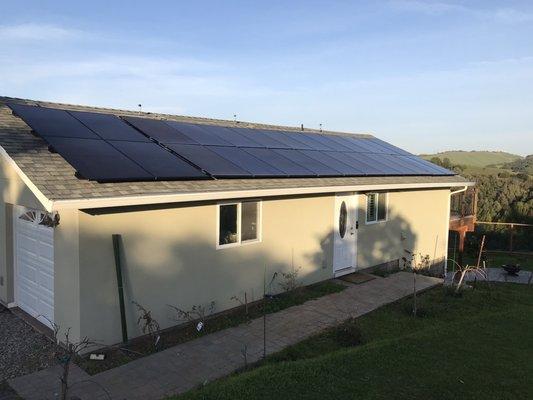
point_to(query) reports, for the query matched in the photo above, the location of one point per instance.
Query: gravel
(22, 349)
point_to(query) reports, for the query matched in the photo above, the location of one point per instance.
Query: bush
(348, 334)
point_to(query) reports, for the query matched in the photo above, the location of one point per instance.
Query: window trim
(239, 241)
(377, 221)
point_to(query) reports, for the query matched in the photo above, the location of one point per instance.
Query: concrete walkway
(496, 275)
(182, 367)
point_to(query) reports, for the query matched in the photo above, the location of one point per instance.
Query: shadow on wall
(159, 271)
(384, 241)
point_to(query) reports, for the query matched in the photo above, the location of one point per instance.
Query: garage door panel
(34, 263)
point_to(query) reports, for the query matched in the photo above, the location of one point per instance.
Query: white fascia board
(47, 204)
(238, 194)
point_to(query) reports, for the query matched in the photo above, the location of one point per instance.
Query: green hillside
(475, 158)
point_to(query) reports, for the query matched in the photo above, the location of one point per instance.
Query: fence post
(511, 234)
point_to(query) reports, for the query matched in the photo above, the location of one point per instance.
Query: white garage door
(34, 264)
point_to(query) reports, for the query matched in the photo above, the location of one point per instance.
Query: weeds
(290, 280)
(148, 324)
(198, 314)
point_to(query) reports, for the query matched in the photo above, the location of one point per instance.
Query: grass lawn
(477, 345)
(140, 347)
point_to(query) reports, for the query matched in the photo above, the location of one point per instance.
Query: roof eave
(108, 202)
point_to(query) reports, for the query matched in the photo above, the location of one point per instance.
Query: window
(238, 223)
(376, 207)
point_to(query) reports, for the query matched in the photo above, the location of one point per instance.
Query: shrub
(348, 334)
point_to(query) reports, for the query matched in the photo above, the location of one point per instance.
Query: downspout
(459, 191)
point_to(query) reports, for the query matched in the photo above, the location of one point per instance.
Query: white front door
(34, 264)
(345, 234)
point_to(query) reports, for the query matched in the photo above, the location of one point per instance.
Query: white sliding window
(239, 223)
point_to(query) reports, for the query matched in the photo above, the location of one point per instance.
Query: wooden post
(480, 251)
(511, 234)
(462, 236)
(120, 286)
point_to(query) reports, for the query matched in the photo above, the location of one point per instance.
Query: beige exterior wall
(66, 260)
(170, 257)
(169, 252)
(14, 191)
(417, 221)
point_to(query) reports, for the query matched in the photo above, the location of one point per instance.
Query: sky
(427, 76)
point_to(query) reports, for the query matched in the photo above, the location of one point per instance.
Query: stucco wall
(170, 257)
(417, 221)
(14, 191)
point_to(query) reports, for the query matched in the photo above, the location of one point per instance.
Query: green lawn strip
(180, 334)
(477, 345)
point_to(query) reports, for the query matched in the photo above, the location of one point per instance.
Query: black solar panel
(333, 159)
(203, 134)
(312, 141)
(157, 161)
(97, 160)
(360, 162)
(210, 161)
(105, 147)
(108, 126)
(52, 122)
(289, 167)
(159, 130)
(288, 139)
(393, 149)
(309, 163)
(246, 161)
(427, 166)
(261, 138)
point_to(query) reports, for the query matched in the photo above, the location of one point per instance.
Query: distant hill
(522, 165)
(475, 158)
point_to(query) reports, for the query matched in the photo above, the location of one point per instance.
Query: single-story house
(205, 209)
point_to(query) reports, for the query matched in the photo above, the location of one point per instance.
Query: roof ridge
(176, 117)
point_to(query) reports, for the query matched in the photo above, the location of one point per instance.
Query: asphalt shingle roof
(55, 178)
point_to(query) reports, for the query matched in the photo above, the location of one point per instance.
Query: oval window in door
(343, 216)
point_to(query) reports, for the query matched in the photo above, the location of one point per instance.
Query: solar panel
(97, 160)
(393, 149)
(203, 134)
(429, 167)
(246, 161)
(334, 160)
(282, 163)
(309, 163)
(158, 130)
(359, 162)
(158, 161)
(105, 147)
(364, 145)
(312, 141)
(237, 139)
(52, 122)
(108, 126)
(209, 161)
(288, 139)
(261, 138)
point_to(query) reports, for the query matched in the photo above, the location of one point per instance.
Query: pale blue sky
(427, 76)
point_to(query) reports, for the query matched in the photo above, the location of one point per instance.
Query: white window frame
(377, 221)
(239, 241)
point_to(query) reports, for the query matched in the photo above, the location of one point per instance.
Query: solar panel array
(104, 147)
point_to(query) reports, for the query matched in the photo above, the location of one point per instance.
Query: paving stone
(187, 365)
